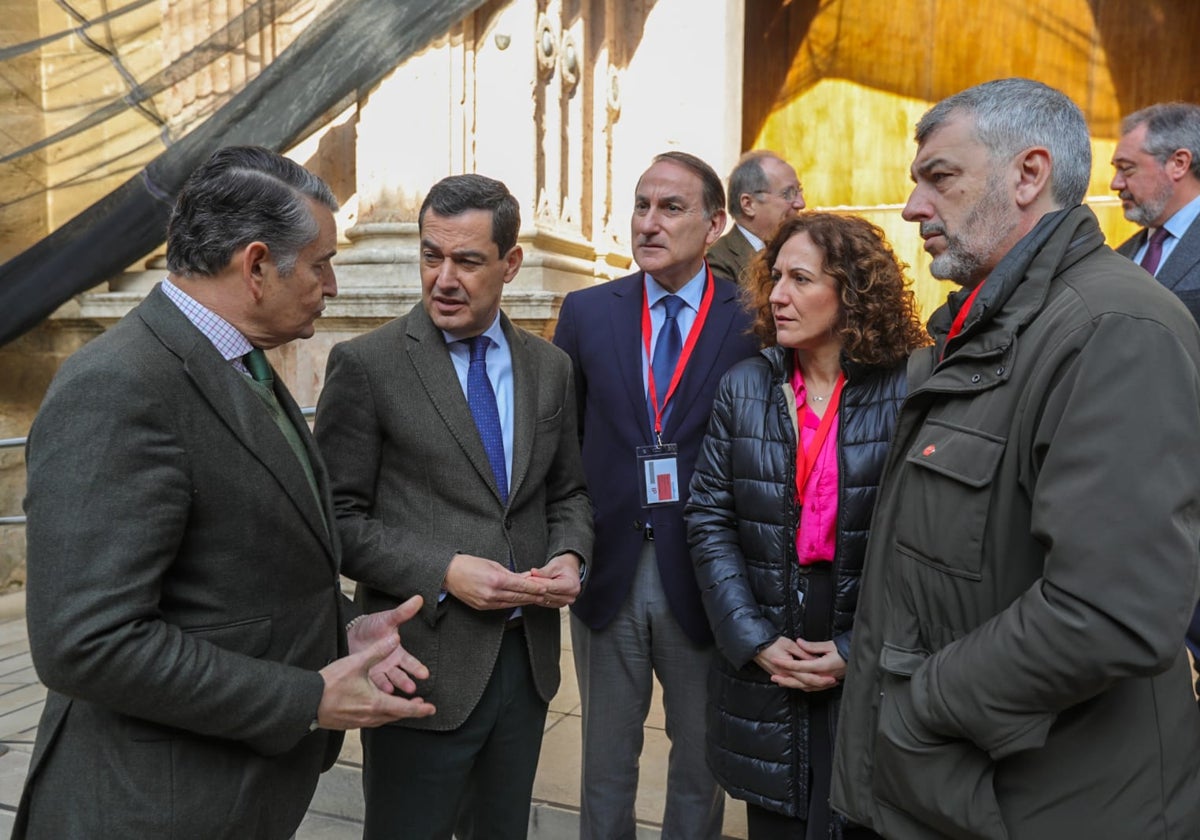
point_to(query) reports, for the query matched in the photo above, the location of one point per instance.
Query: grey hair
(1012, 115)
(748, 177)
(243, 194)
(456, 194)
(1170, 126)
(712, 192)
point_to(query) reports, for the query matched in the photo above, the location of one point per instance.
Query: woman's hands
(807, 666)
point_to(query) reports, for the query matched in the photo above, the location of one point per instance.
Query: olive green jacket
(1018, 669)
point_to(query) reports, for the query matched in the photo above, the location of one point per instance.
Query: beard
(1145, 212)
(970, 250)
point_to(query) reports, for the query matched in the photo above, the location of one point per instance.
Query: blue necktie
(668, 348)
(482, 400)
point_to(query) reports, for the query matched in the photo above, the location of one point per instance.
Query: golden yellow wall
(838, 85)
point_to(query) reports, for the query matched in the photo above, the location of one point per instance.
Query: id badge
(659, 468)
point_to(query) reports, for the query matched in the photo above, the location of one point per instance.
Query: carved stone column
(502, 94)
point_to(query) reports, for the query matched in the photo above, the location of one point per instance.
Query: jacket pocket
(943, 783)
(946, 495)
(249, 636)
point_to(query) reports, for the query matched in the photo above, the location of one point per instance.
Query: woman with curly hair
(780, 506)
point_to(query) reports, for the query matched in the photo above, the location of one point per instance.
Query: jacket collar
(781, 360)
(242, 411)
(626, 325)
(1017, 288)
(426, 347)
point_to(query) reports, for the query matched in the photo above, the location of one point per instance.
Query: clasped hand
(808, 666)
(484, 584)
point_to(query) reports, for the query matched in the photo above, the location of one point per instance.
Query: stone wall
(564, 100)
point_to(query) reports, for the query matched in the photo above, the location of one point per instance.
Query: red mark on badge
(929, 450)
(664, 486)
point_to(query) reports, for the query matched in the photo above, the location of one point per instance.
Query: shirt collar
(225, 337)
(752, 239)
(692, 291)
(1178, 224)
(495, 332)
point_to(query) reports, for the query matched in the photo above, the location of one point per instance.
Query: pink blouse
(816, 533)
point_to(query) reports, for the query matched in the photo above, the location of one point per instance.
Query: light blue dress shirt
(1177, 226)
(500, 374)
(692, 294)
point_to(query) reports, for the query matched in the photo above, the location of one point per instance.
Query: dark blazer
(600, 328)
(729, 255)
(181, 596)
(412, 487)
(1181, 272)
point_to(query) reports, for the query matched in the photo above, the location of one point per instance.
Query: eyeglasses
(789, 195)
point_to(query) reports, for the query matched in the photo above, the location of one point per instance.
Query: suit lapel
(744, 249)
(626, 324)
(708, 348)
(242, 410)
(320, 474)
(525, 403)
(426, 348)
(1183, 259)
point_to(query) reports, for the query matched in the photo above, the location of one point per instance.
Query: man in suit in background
(648, 351)
(1157, 177)
(451, 439)
(763, 192)
(1157, 163)
(183, 600)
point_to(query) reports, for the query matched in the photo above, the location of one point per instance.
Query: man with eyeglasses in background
(763, 192)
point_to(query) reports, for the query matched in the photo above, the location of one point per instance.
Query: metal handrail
(12, 443)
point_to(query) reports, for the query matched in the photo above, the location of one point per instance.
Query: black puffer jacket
(742, 520)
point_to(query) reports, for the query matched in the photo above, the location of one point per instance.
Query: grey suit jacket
(181, 596)
(1181, 272)
(412, 487)
(729, 255)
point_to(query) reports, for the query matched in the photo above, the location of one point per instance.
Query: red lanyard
(961, 317)
(806, 456)
(689, 345)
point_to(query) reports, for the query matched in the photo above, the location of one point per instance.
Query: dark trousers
(475, 781)
(762, 824)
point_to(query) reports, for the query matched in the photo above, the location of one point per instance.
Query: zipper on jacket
(791, 562)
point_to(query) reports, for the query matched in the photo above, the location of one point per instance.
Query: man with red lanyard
(1018, 668)
(648, 351)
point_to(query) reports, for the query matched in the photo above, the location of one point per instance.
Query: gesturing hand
(398, 670)
(352, 699)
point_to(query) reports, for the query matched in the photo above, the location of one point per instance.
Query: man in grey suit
(763, 192)
(1157, 163)
(451, 441)
(182, 596)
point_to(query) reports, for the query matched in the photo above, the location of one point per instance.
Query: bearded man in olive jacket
(1018, 669)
